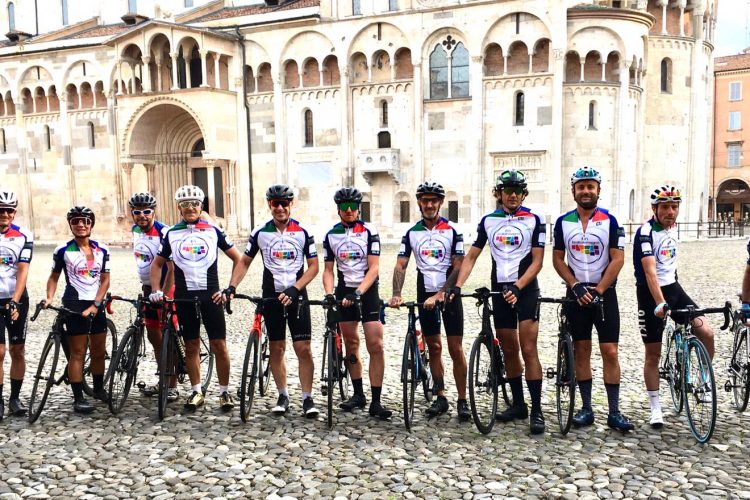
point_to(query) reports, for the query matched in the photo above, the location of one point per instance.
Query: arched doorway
(733, 200)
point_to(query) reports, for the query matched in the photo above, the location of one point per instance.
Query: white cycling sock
(284, 392)
(198, 388)
(653, 397)
(223, 389)
(306, 395)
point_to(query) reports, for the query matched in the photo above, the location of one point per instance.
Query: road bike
(739, 365)
(132, 347)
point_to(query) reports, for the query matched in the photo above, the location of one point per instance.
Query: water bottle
(420, 341)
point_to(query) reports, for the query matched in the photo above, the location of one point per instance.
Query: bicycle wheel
(700, 391)
(123, 369)
(502, 376)
(207, 362)
(264, 378)
(482, 385)
(343, 370)
(167, 363)
(672, 371)
(249, 375)
(426, 376)
(740, 369)
(331, 373)
(45, 377)
(565, 384)
(109, 353)
(409, 377)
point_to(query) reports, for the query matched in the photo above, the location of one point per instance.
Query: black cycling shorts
(212, 316)
(650, 326)
(370, 305)
(16, 329)
(506, 316)
(452, 317)
(583, 319)
(300, 325)
(78, 325)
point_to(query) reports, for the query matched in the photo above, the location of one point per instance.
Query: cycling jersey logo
(193, 249)
(8, 259)
(431, 253)
(87, 273)
(143, 255)
(350, 253)
(508, 239)
(283, 253)
(584, 250)
(667, 250)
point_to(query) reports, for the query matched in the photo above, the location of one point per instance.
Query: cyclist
(516, 236)
(16, 246)
(354, 246)
(193, 244)
(284, 247)
(657, 288)
(594, 243)
(438, 251)
(148, 234)
(85, 263)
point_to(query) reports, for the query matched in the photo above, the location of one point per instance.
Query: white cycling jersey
(146, 247)
(654, 240)
(16, 247)
(82, 276)
(434, 250)
(349, 247)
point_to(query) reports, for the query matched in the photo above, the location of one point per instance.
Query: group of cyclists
(181, 262)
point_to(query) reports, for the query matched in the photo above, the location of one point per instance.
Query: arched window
(460, 71)
(383, 113)
(47, 138)
(518, 111)
(3, 146)
(92, 135)
(666, 75)
(308, 128)
(592, 115)
(64, 5)
(198, 147)
(404, 211)
(11, 17)
(384, 140)
(439, 73)
(449, 70)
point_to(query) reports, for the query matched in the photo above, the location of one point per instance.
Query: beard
(588, 204)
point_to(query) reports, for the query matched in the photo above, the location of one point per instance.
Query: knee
(192, 347)
(375, 348)
(528, 350)
(277, 348)
(609, 353)
(303, 350)
(219, 348)
(456, 351)
(435, 347)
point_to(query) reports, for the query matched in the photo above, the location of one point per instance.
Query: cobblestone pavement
(211, 454)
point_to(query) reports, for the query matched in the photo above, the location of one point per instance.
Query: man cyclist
(438, 251)
(16, 247)
(594, 244)
(284, 247)
(148, 234)
(193, 244)
(657, 288)
(516, 236)
(354, 246)
(86, 266)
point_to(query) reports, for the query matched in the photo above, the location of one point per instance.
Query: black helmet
(79, 211)
(142, 200)
(347, 194)
(430, 188)
(279, 192)
(511, 178)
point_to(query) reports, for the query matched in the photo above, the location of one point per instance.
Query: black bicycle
(564, 372)
(172, 358)
(256, 367)
(739, 365)
(46, 373)
(486, 367)
(415, 364)
(688, 370)
(334, 372)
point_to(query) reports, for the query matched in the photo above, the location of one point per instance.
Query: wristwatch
(357, 292)
(98, 303)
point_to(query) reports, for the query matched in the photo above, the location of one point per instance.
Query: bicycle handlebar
(59, 310)
(691, 312)
(249, 298)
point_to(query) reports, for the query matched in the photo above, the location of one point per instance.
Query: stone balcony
(380, 161)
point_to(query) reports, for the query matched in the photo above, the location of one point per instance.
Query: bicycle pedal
(728, 386)
(551, 372)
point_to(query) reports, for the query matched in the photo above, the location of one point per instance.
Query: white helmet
(189, 193)
(8, 199)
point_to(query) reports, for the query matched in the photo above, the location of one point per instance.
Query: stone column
(476, 136)
(531, 63)
(26, 198)
(210, 164)
(188, 77)
(147, 86)
(114, 151)
(119, 80)
(393, 70)
(217, 76)
(67, 160)
(279, 108)
(505, 65)
(347, 167)
(583, 73)
(204, 71)
(663, 4)
(175, 84)
(127, 168)
(623, 136)
(320, 74)
(159, 87)
(604, 71)
(418, 122)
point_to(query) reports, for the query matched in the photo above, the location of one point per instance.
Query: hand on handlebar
(395, 301)
(432, 301)
(289, 296)
(329, 300)
(218, 298)
(156, 297)
(90, 311)
(12, 307)
(229, 293)
(349, 300)
(661, 310)
(511, 294)
(452, 293)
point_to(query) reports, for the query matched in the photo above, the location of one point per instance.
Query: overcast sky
(731, 27)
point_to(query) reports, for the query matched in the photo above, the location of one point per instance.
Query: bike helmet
(8, 199)
(430, 188)
(347, 194)
(189, 193)
(79, 211)
(665, 194)
(142, 200)
(585, 174)
(280, 192)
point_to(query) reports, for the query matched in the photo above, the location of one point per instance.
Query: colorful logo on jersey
(7, 260)
(586, 249)
(668, 252)
(350, 255)
(194, 249)
(433, 253)
(88, 273)
(507, 240)
(141, 257)
(284, 254)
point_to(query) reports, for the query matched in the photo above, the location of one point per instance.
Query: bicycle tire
(672, 370)
(502, 376)
(699, 388)
(740, 369)
(264, 378)
(250, 368)
(109, 353)
(45, 372)
(344, 375)
(331, 376)
(565, 384)
(206, 362)
(167, 363)
(424, 360)
(409, 377)
(482, 380)
(123, 368)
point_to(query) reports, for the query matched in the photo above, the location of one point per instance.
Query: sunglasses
(349, 205)
(7, 210)
(513, 190)
(188, 204)
(80, 220)
(280, 203)
(147, 211)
